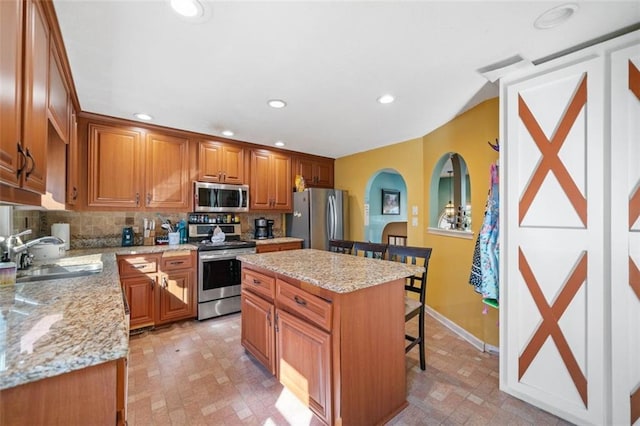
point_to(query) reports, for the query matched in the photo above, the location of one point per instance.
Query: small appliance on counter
(270, 228)
(48, 248)
(127, 236)
(261, 229)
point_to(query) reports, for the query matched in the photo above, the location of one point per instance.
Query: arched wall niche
(450, 200)
(387, 179)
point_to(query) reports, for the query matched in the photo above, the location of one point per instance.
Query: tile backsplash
(104, 229)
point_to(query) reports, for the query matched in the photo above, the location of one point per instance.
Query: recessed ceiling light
(227, 132)
(386, 99)
(279, 143)
(187, 8)
(555, 16)
(277, 103)
(142, 116)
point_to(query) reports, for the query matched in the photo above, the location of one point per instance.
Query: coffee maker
(269, 228)
(261, 231)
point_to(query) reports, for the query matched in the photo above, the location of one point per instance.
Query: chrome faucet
(14, 250)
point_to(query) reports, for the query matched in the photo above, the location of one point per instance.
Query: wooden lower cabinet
(304, 362)
(90, 396)
(342, 354)
(140, 292)
(266, 248)
(258, 317)
(160, 288)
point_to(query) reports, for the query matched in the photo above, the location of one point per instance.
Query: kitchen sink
(53, 272)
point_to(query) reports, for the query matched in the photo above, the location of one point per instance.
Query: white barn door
(553, 348)
(625, 234)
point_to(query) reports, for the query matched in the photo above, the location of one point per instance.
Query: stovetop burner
(207, 245)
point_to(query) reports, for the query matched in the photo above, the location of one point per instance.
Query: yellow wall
(448, 291)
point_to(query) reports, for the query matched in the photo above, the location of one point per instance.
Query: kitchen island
(64, 343)
(331, 328)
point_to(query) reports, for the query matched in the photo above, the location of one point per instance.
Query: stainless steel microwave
(218, 197)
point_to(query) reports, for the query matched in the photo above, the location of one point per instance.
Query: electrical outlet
(414, 221)
(414, 210)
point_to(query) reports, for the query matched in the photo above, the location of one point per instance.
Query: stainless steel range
(219, 273)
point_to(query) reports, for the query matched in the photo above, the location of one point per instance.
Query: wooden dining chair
(340, 246)
(372, 250)
(417, 285)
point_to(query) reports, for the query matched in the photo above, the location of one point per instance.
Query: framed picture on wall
(390, 201)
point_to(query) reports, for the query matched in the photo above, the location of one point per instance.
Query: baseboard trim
(461, 332)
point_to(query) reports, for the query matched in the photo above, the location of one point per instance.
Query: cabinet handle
(137, 199)
(276, 323)
(153, 283)
(300, 301)
(33, 164)
(148, 198)
(269, 318)
(165, 284)
(74, 193)
(178, 262)
(140, 266)
(256, 282)
(24, 160)
(224, 176)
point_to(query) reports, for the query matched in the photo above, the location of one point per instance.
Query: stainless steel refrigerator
(319, 215)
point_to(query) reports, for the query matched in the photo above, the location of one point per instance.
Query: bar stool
(372, 250)
(416, 284)
(340, 246)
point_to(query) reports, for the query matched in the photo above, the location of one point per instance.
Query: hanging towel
(485, 270)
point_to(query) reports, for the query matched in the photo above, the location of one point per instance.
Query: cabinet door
(209, 161)
(282, 187)
(175, 299)
(36, 90)
(220, 162)
(10, 90)
(59, 102)
(317, 173)
(552, 334)
(115, 164)
(260, 197)
(72, 161)
(233, 164)
(304, 362)
(324, 174)
(257, 335)
(167, 172)
(140, 295)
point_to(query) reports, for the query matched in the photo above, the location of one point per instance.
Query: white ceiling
(328, 60)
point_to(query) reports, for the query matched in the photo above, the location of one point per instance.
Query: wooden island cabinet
(330, 327)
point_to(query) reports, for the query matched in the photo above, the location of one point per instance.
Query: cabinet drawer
(132, 266)
(177, 260)
(258, 283)
(303, 304)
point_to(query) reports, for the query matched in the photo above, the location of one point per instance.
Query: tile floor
(197, 373)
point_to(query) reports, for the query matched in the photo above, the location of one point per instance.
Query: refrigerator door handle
(333, 216)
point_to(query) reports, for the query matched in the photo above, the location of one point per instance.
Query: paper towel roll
(61, 230)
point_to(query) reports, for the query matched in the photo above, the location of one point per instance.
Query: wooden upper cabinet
(221, 162)
(167, 172)
(59, 100)
(24, 68)
(10, 90)
(316, 171)
(36, 91)
(271, 185)
(115, 167)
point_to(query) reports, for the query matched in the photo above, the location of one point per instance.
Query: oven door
(218, 277)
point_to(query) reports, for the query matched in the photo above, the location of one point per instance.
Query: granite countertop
(278, 240)
(54, 327)
(340, 273)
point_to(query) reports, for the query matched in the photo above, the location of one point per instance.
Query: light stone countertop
(278, 240)
(340, 273)
(54, 327)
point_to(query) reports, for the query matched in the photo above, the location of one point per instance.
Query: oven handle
(206, 258)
